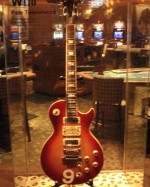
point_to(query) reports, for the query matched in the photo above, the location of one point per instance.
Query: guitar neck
(71, 80)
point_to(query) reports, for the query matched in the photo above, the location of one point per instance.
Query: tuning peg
(80, 78)
(62, 77)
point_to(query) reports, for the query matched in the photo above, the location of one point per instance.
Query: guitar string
(71, 68)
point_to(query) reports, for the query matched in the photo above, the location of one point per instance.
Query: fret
(71, 90)
(71, 58)
(71, 95)
(71, 109)
(72, 78)
(71, 85)
(71, 99)
(71, 69)
(71, 105)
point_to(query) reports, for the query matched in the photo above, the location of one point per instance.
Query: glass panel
(6, 159)
(15, 86)
(137, 87)
(35, 72)
(138, 78)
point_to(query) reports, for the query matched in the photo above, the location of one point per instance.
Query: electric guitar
(72, 155)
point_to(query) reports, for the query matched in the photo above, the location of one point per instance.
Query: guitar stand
(90, 183)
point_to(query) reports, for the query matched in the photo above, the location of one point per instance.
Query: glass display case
(33, 77)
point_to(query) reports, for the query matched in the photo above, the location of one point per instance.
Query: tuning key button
(56, 112)
(95, 152)
(87, 170)
(95, 164)
(78, 174)
(87, 158)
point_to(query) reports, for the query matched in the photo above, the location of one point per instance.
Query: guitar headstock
(70, 9)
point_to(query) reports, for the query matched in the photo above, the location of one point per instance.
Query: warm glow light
(100, 43)
(119, 24)
(119, 44)
(89, 11)
(96, 3)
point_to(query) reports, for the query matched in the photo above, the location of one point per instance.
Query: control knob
(95, 152)
(95, 164)
(87, 170)
(78, 174)
(87, 158)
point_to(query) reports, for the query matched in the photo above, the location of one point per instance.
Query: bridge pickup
(71, 131)
(72, 158)
(71, 142)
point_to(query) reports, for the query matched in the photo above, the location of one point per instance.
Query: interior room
(74, 93)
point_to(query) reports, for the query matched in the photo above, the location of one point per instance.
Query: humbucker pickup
(71, 131)
(74, 120)
(71, 142)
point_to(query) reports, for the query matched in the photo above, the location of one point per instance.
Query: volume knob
(87, 158)
(95, 152)
(78, 174)
(56, 112)
(87, 170)
(95, 164)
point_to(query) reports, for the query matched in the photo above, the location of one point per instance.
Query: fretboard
(71, 81)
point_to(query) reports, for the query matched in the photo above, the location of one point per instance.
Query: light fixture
(96, 3)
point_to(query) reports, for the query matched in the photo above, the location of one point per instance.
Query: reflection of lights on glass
(89, 11)
(119, 24)
(119, 44)
(96, 3)
(58, 35)
(100, 43)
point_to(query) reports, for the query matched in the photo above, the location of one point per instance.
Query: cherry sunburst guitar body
(72, 155)
(77, 158)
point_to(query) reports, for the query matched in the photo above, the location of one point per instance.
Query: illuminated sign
(96, 3)
(23, 2)
(119, 25)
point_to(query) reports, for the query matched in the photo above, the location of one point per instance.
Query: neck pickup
(71, 120)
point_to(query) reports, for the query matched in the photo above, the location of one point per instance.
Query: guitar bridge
(72, 158)
(72, 155)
